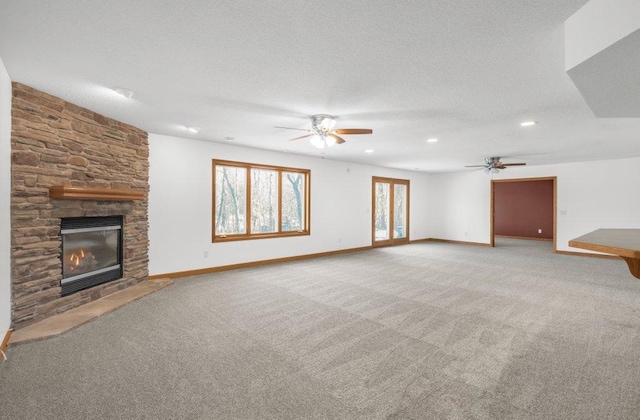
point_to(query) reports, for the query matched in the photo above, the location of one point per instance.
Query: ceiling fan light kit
(322, 133)
(322, 124)
(317, 141)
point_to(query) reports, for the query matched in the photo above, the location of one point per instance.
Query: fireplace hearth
(91, 252)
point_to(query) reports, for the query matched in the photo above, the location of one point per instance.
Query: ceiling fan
(493, 165)
(322, 133)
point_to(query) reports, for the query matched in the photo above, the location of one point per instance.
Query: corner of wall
(5, 196)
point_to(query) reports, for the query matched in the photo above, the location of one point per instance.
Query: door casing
(391, 240)
(555, 200)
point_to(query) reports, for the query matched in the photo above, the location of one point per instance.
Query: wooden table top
(622, 242)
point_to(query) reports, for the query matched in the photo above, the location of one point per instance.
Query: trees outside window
(230, 207)
(278, 201)
(294, 195)
(264, 200)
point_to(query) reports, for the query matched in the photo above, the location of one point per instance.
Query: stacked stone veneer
(54, 142)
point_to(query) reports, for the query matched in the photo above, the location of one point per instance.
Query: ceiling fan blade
(339, 140)
(352, 131)
(514, 164)
(475, 166)
(301, 137)
(291, 128)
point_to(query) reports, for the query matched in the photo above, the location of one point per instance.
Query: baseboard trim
(210, 270)
(587, 254)
(526, 238)
(5, 342)
(255, 263)
(450, 241)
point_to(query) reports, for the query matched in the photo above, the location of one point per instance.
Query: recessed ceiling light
(127, 93)
(432, 140)
(528, 123)
(194, 130)
(369, 151)
(228, 138)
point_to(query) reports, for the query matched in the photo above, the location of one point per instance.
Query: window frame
(248, 235)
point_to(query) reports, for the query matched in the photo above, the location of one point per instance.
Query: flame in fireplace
(76, 259)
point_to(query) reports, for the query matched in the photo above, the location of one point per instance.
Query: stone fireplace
(69, 164)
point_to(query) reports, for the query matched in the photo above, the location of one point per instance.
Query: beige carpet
(424, 331)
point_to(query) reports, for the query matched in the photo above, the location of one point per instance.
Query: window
(258, 201)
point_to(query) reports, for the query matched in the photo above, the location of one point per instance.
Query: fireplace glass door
(91, 252)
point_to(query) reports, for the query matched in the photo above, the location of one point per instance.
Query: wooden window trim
(267, 235)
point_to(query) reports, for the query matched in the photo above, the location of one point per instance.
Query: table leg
(634, 266)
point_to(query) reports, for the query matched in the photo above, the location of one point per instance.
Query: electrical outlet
(206, 254)
(539, 230)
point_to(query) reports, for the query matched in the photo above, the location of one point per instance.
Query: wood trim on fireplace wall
(85, 193)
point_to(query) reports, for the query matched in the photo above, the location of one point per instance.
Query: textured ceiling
(466, 72)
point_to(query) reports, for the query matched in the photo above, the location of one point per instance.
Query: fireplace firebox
(91, 252)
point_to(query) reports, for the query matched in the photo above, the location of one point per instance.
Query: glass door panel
(399, 210)
(382, 213)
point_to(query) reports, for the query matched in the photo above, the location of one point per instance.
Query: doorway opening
(390, 216)
(524, 209)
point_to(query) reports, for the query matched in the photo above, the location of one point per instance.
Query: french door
(390, 216)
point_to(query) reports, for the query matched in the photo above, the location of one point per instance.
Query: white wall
(180, 201)
(591, 195)
(5, 199)
(459, 209)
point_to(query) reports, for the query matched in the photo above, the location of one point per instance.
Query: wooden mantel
(85, 193)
